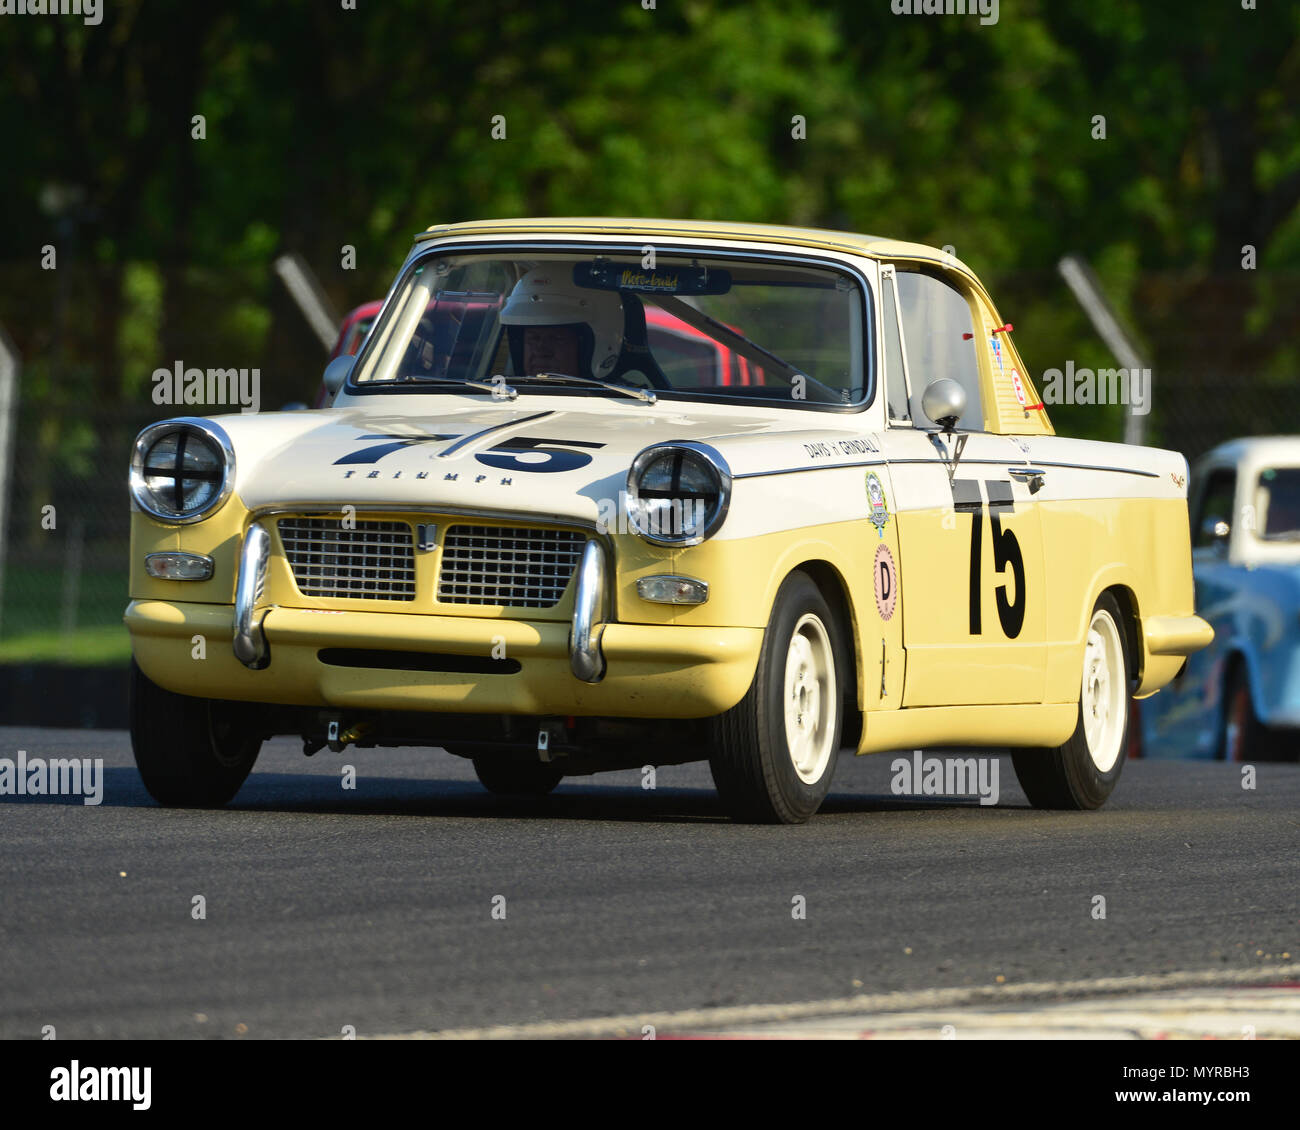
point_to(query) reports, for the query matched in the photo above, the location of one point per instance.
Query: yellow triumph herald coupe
(816, 504)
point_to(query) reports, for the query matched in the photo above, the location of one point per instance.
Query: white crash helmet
(546, 296)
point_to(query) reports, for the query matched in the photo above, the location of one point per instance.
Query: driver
(556, 327)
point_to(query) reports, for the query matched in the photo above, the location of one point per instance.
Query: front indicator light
(179, 566)
(668, 589)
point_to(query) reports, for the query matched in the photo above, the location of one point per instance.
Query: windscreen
(688, 326)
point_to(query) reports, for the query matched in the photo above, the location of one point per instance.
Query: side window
(900, 411)
(939, 338)
(1217, 500)
(1277, 503)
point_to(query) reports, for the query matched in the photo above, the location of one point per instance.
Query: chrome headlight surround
(212, 436)
(702, 459)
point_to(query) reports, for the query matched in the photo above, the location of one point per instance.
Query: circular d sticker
(886, 581)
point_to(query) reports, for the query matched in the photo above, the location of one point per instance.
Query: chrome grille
(369, 561)
(512, 565)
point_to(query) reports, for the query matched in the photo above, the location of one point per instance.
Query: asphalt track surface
(374, 907)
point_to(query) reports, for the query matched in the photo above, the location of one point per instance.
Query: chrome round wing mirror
(336, 372)
(944, 401)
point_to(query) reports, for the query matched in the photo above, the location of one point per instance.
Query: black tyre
(774, 752)
(507, 776)
(1242, 736)
(1081, 773)
(191, 752)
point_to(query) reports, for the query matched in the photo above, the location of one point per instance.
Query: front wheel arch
(757, 746)
(176, 738)
(831, 584)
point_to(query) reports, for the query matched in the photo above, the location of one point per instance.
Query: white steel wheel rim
(1104, 692)
(809, 697)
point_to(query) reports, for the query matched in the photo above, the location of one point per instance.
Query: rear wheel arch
(1081, 773)
(1132, 628)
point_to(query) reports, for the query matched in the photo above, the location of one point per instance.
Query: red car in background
(680, 348)
(687, 357)
(354, 329)
(351, 334)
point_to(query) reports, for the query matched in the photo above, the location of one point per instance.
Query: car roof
(1256, 450)
(851, 242)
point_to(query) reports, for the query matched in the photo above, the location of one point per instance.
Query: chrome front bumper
(589, 615)
(250, 641)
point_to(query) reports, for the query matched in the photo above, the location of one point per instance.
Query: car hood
(550, 455)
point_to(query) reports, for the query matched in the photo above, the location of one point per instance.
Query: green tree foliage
(327, 127)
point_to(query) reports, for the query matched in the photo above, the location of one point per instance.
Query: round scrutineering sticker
(886, 581)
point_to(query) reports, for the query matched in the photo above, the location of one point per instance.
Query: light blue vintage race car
(1239, 698)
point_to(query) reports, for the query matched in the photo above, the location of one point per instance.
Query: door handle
(1033, 476)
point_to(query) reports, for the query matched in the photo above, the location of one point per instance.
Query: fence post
(1087, 289)
(305, 289)
(72, 559)
(10, 366)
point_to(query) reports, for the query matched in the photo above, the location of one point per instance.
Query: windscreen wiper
(497, 386)
(642, 394)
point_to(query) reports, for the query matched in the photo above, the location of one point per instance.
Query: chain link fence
(68, 527)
